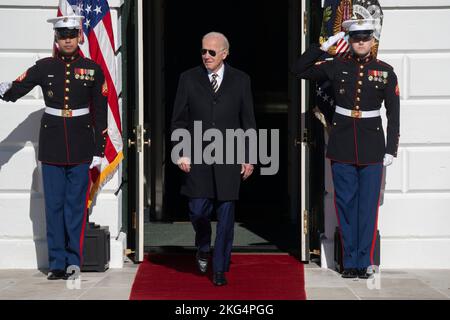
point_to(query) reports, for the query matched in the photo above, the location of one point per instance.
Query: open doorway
(264, 37)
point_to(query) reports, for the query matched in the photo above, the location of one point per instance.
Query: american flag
(342, 46)
(99, 46)
(335, 12)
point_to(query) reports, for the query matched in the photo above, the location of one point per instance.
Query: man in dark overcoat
(213, 96)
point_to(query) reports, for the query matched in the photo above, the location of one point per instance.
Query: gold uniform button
(67, 98)
(361, 67)
(360, 83)
(67, 89)
(68, 65)
(361, 74)
(67, 81)
(358, 99)
(68, 73)
(359, 90)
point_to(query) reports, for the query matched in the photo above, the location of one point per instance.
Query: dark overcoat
(230, 108)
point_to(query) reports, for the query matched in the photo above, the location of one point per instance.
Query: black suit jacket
(230, 108)
(361, 84)
(75, 140)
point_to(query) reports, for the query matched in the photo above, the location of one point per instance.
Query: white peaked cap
(359, 25)
(71, 22)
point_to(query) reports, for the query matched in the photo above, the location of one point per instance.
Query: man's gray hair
(219, 35)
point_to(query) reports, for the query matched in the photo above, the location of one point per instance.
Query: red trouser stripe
(340, 229)
(86, 210)
(374, 239)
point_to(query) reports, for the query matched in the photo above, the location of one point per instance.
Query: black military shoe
(350, 274)
(219, 279)
(202, 261)
(363, 274)
(56, 275)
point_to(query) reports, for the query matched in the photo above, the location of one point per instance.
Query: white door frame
(304, 152)
(139, 131)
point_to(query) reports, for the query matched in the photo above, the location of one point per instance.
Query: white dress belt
(67, 113)
(358, 113)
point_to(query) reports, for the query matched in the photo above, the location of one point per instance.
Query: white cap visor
(359, 25)
(71, 22)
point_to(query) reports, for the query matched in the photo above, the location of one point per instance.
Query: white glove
(4, 87)
(320, 116)
(332, 41)
(96, 163)
(388, 160)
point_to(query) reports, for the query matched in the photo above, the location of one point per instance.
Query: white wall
(414, 219)
(26, 37)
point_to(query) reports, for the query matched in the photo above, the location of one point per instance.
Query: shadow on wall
(28, 132)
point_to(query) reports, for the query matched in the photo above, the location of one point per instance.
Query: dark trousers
(357, 197)
(65, 189)
(200, 212)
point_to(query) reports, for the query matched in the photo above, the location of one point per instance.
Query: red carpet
(252, 277)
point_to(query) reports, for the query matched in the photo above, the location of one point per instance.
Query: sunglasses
(66, 35)
(361, 37)
(212, 53)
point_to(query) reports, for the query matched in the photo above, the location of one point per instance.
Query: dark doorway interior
(259, 34)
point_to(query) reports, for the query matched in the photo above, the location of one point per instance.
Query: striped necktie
(214, 83)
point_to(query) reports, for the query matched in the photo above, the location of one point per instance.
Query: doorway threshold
(238, 249)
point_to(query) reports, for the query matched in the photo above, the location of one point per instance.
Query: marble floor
(324, 284)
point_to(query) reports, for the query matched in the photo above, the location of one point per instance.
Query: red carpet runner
(252, 277)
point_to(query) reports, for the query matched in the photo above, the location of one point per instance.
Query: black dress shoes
(350, 274)
(57, 275)
(219, 279)
(202, 261)
(363, 274)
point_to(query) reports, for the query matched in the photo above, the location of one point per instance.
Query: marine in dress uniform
(219, 96)
(72, 138)
(357, 147)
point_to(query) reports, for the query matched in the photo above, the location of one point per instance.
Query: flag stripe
(108, 52)
(112, 97)
(109, 31)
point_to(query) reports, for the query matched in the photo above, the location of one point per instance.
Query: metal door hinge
(305, 138)
(305, 22)
(305, 222)
(134, 220)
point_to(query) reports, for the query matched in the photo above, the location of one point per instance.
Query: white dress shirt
(219, 78)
